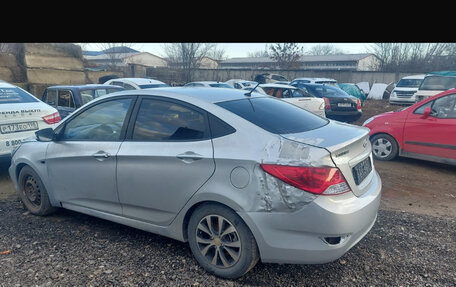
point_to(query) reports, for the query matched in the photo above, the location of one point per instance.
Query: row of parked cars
(231, 171)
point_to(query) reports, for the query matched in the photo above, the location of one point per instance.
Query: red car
(425, 130)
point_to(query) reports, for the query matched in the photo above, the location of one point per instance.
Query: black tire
(33, 193)
(384, 147)
(236, 260)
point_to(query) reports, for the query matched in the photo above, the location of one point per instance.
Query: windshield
(438, 83)
(153, 86)
(15, 95)
(275, 116)
(409, 83)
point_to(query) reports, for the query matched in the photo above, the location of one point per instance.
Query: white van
(405, 89)
(303, 80)
(434, 83)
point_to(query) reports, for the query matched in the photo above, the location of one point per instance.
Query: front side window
(444, 107)
(15, 95)
(168, 121)
(102, 122)
(65, 99)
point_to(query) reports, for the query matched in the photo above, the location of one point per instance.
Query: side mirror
(45, 135)
(426, 112)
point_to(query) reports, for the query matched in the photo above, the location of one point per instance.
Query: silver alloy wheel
(218, 241)
(382, 147)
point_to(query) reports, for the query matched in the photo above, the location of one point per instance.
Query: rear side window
(274, 115)
(15, 95)
(167, 121)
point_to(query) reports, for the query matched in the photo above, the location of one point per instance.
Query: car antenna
(249, 93)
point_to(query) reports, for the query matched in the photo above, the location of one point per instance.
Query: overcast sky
(233, 50)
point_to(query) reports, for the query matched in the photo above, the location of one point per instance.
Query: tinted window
(420, 110)
(65, 99)
(219, 128)
(275, 116)
(128, 87)
(220, 85)
(15, 95)
(326, 91)
(167, 121)
(152, 86)
(102, 122)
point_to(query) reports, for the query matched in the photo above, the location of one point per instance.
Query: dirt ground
(409, 185)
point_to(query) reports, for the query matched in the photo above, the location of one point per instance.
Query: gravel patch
(72, 249)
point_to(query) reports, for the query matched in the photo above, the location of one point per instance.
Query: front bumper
(298, 237)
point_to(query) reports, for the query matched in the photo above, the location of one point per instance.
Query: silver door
(82, 165)
(167, 160)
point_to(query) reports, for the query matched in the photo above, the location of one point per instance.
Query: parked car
(425, 130)
(404, 92)
(136, 83)
(241, 84)
(21, 114)
(338, 104)
(66, 98)
(208, 84)
(309, 80)
(297, 97)
(353, 90)
(265, 78)
(240, 177)
(434, 83)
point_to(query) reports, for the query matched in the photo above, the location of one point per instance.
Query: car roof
(138, 81)
(208, 82)
(420, 76)
(442, 73)
(4, 84)
(274, 85)
(199, 93)
(88, 86)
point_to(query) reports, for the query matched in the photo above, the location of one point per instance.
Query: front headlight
(368, 121)
(393, 94)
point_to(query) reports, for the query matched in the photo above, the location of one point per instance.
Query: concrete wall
(173, 76)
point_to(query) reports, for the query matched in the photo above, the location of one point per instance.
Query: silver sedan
(240, 176)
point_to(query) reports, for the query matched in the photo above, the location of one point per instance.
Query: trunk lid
(350, 151)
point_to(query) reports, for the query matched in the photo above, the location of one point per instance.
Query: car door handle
(189, 156)
(101, 154)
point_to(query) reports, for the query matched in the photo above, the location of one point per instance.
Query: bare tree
(217, 54)
(324, 49)
(115, 51)
(7, 47)
(414, 57)
(187, 56)
(287, 55)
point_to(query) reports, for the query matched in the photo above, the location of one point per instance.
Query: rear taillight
(327, 103)
(318, 180)
(358, 104)
(52, 118)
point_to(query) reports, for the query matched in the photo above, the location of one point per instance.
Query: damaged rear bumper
(320, 232)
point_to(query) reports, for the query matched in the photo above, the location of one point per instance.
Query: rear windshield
(438, 83)
(409, 83)
(220, 85)
(153, 86)
(15, 95)
(326, 91)
(275, 116)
